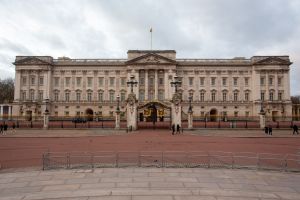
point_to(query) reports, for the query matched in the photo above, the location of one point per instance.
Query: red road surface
(27, 151)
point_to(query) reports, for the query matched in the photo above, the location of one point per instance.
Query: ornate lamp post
(190, 113)
(262, 115)
(117, 126)
(132, 82)
(46, 114)
(176, 83)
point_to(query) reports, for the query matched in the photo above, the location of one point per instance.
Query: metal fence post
(139, 159)
(258, 162)
(208, 165)
(92, 160)
(68, 161)
(232, 161)
(43, 161)
(117, 159)
(162, 159)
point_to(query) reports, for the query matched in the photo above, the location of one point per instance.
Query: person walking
(178, 129)
(173, 129)
(13, 128)
(1, 128)
(270, 130)
(266, 130)
(295, 129)
(4, 129)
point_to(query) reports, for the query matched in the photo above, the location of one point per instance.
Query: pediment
(31, 61)
(272, 61)
(151, 58)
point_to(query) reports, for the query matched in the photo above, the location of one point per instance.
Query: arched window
(213, 95)
(89, 95)
(123, 95)
(31, 95)
(235, 95)
(271, 95)
(141, 95)
(67, 95)
(160, 95)
(202, 95)
(111, 95)
(100, 95)
(247, 95)
(224, 95)
(78, 95)
(56, 95)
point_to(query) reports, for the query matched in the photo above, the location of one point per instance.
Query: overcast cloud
(107, 29)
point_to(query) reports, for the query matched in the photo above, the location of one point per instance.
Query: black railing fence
(247, 160)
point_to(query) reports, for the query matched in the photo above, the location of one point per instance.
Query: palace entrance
(154, 115)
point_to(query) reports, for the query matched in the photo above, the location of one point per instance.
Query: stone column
(46, 120)
(146, 85)
(155, 86)
(1, 112)
(17, 85)
(262, 120)
(176, 110)
(190, 119)
(117, 124)
(131, 108)
(9, 112)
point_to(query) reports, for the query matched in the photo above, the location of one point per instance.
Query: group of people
(176, 129)
(4, 128)
(268, 130)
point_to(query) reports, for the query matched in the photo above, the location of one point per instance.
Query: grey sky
(107, 29)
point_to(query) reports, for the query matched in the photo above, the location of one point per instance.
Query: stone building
(220, 88)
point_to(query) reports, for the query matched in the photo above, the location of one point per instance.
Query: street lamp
(132, 83)
(118, 103)
(46, 103)
(261, 106)
(190, 104)
(176, 83)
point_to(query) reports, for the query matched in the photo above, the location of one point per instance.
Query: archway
(154, 115)
(28, 115)
(89, 113)
(213, 115)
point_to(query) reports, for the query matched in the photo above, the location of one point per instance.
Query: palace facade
(220, 88)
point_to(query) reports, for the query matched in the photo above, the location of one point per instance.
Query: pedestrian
(266, 130)
(295, 129)
(178, 129)
(4, 129)
(270, 130)
(13, 128)
(1, 128)
(173, 129)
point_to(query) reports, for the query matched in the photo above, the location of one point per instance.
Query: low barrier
(241, 160)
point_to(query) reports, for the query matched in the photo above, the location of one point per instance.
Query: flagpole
(151, 38)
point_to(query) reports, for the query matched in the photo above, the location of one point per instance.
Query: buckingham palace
(215, 88)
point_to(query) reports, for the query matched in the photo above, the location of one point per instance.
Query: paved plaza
(149, 183)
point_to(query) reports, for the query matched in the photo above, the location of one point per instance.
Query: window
(213, 96)
(67, 96)
(78, 81)
(89, 81)
(224, 96)
(56, 81)
(111, 113)
(262, 81)
(41, 95)
(111, 81)
(151, 81)
(24, 80)
(89, 96)
(202, 114)
(202, 81)
(279, 81)
(235, 96)
(31, 97)
(246, 81)
(100, 81)
(78, 96)
(23, 95)
(236, 113)
(151, 95)
(213, 81)
(270, 80)
(271, 96)
(67, 113)
(224, 81)
(279, 96)
(141, 95)
(201, 96)
(56, 95)
(100, 96)
(247, 113)
(191, 81)
(142, 81)
(235, 81)
(67, 79)
(160, 95)
(123, 81)
(247, 96)
(262, 96)
(32, 80)
(161, 81)
(111, 96)
(41, 81)
(123, 96)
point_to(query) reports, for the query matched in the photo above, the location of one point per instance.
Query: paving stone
(152, 197)
(21, 190)
(97, 185)
(133, 174)
(239, 198)
(147, 191)
(69, 176)
(194, 198)
(133, 185)
(15, 197)
(116, 180)
(166, 184)
(111, 198)
(7, 180)
(274, 188)
(237, 186)
(19, 174)
(50, 182)
(288, 195)
(201, 185)
(13, 185)
(82, 180)
(102, 175)
(180, 179)
(214, 180)
(195, 174)
(61, 187)
(33, 178)
(237, 193)
(148, 179)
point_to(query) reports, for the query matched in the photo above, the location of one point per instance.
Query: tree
(295, 99)
(6, 90)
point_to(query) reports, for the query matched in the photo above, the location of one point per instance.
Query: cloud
(194, 28)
